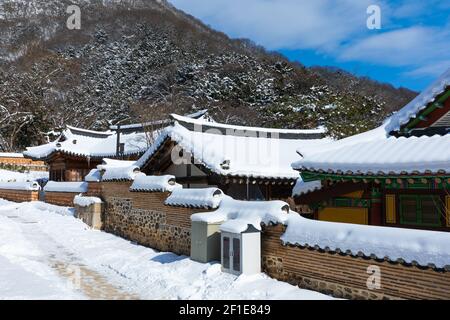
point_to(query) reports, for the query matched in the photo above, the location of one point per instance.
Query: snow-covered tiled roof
(93, 176)
(412, 109)
(421, 247)
(119, 173)
(237, 155)
(202, 114)
(302, 187)
(377, 152)
(88, 143)
(384, 156)
(215, 125)
(236, 215)
(155, 183)
(208, 198)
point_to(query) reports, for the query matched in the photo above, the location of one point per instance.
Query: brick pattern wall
(24, 162)
(94, 189)
(344, 276)
(142, 217)
(60, 198)
(19, 195)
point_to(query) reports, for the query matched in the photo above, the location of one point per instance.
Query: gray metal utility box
(205, 241)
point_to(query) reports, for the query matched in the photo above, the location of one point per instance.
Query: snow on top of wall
(302, 187)
(93, 176)
(23, 186)
(54, 186)
(86, 201)
(238, 214)
(14, 176)
(208, 198)
(117, 163)
(155, 183)
(89, 143)
(10, 155)
(396, 244)
(113, 173)
(235, 155)
(383, 156)
(116, 170)
(412, 109)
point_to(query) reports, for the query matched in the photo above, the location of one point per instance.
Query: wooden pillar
(376, 209)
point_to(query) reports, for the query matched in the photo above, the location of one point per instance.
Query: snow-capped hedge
(86, 201)
(78, 187)
(23, 186)
(195, 198)
(165, 183)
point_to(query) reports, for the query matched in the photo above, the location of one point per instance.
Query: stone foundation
(143, 218)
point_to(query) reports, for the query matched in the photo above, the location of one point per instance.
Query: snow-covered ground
(45, 253)
(7, 176)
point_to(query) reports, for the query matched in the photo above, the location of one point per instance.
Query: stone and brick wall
(142, 217)
(19, 195)
(94, 189)
(60, 198)
(91, 215)
(23, 162)
(345, 276)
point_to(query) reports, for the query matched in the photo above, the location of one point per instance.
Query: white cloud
(281, 24)
(398, 47)
(429, 70)
(425, 49)
(335, 28)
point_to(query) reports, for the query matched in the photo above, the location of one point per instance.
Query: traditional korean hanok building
(245, 162)
(396, 175)
(77, 151)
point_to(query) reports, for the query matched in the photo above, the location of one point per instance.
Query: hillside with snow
(132, 59)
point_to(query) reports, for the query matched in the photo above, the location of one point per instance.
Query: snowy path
(45, 253)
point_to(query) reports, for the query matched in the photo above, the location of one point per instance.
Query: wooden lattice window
(423, 210)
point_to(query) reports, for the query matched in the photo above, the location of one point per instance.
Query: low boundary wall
(144, 218)
(60, 198)
(19, 195)
(346, 276)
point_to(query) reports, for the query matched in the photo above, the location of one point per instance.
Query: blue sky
(411, 49)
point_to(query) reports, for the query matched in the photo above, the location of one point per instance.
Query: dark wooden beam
(333, 191)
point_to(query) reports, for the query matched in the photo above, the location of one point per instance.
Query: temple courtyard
(45, 253)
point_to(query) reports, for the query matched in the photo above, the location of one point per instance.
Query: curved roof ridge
(292, 133)
(75, 130)
(411, 110)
